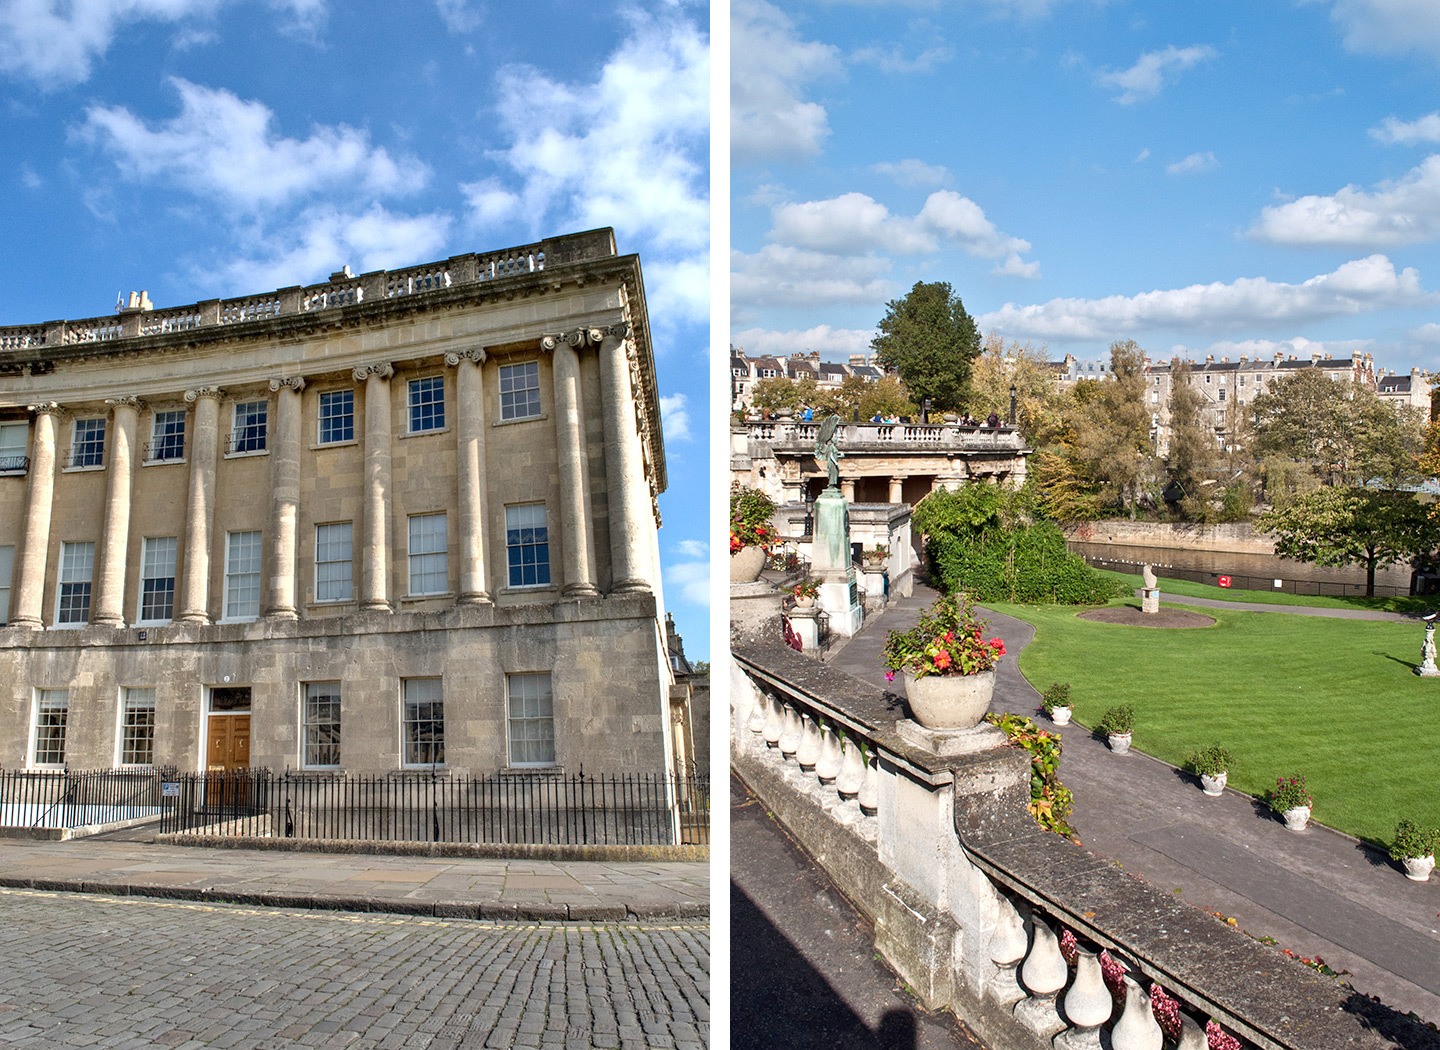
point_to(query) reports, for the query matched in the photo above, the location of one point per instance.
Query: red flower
(942, 659)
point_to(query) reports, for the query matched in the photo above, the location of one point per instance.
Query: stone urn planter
(746, 564)
(1418, 869)
(1296, 817)
(1119, 742)
(1214, 785)
(805, 601)
(1061, 715)
(949, 701)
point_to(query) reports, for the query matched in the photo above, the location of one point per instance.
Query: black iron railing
(64, 798)
(579, 809)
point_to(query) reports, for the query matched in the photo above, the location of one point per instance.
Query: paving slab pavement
(1318, 892)
(453, 887)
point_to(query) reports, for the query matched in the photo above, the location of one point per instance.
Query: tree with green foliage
(1192, 464)
(1337, 526)
(929, 339)
(1039, 401)
(1112, 443)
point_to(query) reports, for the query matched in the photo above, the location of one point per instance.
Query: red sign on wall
(1223, 581)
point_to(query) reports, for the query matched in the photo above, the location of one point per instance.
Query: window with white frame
(87, 447)
(167, 437)
(251, 419)
(52, 711)
(14, 440)
(423, 722)
(320, 732)
(137, 726)
(429, 563)
(425, 399)
(531, 718)
(337, 416)
(7, 572)
(242, 575)
(157, 579)
(520, 390)
(527, 545)
(77, 570)
(334, 562)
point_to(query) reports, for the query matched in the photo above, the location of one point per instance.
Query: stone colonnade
(628, 489)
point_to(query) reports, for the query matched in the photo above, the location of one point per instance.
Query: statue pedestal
(1150, 600)
(839, 597)
(805, 623)
(830, 563)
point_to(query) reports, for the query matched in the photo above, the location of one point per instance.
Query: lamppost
(1012, 404)
(925, 410)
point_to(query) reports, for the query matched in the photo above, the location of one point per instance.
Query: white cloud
(1152, 71)
(1257, 349)
(1193, 164)
(674, 417)
(690, 579)
(678, 289)
(1389, 27)
(911, 172)
(1395, 132)
(1143, 155)
(830, 342)
(1399, 211)
(222, 145)
(56, 42)
(893, 60)
(1356, 287)
(327, 239)
(770, 67)
(459, 17)
(693, 548)
(779, 275)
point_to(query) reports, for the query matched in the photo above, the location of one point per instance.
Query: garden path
(1317, 892)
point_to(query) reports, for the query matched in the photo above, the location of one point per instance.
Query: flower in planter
(1289, 793)
(750, 513)
(1118, 720)
(1057, 695)
(807, 588)
(1209, 761)
(947, 639)
(1411, 843)
(1216, 1038)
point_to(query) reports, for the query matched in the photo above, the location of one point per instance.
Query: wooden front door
(228, 746)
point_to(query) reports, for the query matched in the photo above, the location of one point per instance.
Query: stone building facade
(401, 520)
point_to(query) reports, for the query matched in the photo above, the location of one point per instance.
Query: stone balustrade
(341, 291)
(788, 434)
(1033, 941)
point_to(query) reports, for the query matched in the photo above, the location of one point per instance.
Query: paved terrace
(447, 887)
(1317, 892)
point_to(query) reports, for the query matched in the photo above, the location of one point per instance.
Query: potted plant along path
(1415, 849)
(1212, 765)
(1117, 726)
(948, 664)
(1056, 701)
(805, 592)
(1292, 801)
(751, 534)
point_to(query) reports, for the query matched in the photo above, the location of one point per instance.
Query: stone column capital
(382, 370)
(295, 383)
(125, 402)
(582, 337)
(477, 355)
(48, 408)
(213, 392)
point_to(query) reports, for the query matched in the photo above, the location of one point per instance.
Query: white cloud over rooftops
(1152, 71)
(1396, 212)
(1396, 132)
(1355, 287)
(1389, 27)
(830, 342)
(771, 66)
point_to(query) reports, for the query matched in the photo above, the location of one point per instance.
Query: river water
(1259, 572)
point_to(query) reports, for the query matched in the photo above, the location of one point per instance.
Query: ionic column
(39, 500)
(375, 538)
(470, 470)
(626, 483)
(897, 490)
(570, 443)
(284, 498)
(109, 608)
(200, 509)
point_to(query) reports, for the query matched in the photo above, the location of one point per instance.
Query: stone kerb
(968, 894)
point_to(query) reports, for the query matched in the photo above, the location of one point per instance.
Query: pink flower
(889, 676)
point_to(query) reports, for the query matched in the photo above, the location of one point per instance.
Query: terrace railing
(68, 799)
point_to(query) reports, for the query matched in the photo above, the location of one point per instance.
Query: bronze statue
(827, 446)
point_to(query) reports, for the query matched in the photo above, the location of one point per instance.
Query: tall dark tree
(1193, 457)
(931, 341)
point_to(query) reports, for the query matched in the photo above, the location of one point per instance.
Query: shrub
(1411, 842)
(1289, 793)
(750, 513)
(1119, 719)
(1050, 800)
(1209, 761)
(1057, 695)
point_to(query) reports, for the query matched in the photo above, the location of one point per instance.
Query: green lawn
(1336, 700)
(1232, 594)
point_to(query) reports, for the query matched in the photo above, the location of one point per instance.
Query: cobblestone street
(82, 970)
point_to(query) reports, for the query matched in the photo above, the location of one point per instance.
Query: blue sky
(1234, 178)
(205, 148)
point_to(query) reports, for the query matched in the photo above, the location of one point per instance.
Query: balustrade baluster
(774, 721)
(1007, 950)
(790, 738)
(1192, 1036)
(1087, 1005)
(759, 709)
(1137, 1028)
(827, 767)
(809, 750)
(870, 787)
(852, 770)
(1043, 973)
